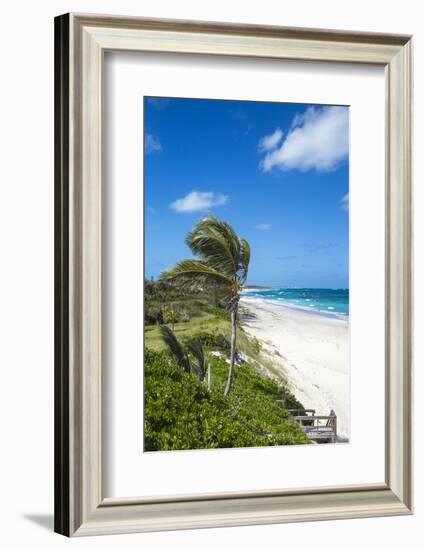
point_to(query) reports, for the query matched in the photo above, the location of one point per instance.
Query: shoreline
(288, 305)
(311, 349)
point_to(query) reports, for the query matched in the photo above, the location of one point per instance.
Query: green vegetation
(224, 263)
(191, 357)
(208, 324)
(192, 311)
(207, 383)
(181, 413)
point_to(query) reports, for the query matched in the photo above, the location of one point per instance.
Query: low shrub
(211, 341)
(180, 412)
(256, 345)
(153, 316)
(219, 312)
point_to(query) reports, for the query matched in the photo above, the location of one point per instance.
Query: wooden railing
(321, 429)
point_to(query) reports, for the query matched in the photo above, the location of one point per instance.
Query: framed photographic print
(233, 275)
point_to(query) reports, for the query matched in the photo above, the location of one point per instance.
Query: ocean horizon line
(291, 287)
(324, 300)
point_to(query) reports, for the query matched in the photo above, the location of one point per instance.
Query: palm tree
(224, 261)
(199, 364)
(171, 316)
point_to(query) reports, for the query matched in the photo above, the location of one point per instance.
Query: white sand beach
(312, 351)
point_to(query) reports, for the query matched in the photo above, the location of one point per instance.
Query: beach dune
(310, 349)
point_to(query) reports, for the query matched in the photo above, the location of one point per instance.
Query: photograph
(233, 275)
(246, 274)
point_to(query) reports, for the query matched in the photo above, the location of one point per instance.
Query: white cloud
(301, 118)
(263, 226)
(318, 139)
(152, 144)
(345, 202)
(197, 200)
(271, 141)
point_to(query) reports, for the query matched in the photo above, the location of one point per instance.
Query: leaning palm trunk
(223, 264)
(233, 349)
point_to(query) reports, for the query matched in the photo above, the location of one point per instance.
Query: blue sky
(278, 173)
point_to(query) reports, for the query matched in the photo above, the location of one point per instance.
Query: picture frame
(80, 506)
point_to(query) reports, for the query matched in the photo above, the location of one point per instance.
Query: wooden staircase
(320, 429)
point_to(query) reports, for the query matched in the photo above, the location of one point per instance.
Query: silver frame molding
(80, 507)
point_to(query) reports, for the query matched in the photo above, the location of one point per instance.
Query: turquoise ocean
(321, 300)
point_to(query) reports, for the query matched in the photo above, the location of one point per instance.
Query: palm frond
(175, 347)
(244, 259)
(196, 271)
(216, 243)
(200, 362)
